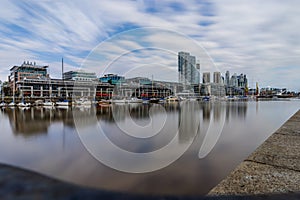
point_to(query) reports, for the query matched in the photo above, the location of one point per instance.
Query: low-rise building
(80, 75)
(111, 79)
(27, 70)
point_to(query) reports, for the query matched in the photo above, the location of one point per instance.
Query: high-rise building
(197, 74)
(206, 77)
(242, 81)
(234, 80)
(188, 74)
(217, 77)
(227, 78)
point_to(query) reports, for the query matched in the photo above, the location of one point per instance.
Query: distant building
(139, 81)
(80, 75)
(234, 80)
(187, 69)
(27, 70)
(111, 78)
(217, 78)
(197, 74)
(62, 88)
(31, 80)
(227, 78)
(206, 77)
(242, 81)
(238, 85)
(217, 89)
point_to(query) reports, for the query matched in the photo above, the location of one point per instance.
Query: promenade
(274, 167)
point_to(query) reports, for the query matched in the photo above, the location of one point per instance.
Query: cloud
(252, 37)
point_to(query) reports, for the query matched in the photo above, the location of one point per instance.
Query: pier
(274, 167)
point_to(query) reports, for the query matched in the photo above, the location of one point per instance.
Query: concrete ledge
(273, 168)
(22, 184)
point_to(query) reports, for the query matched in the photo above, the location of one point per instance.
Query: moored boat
(63, 103)
(135, 100)
(83, 102)
(104, 103)
(48, 103)
(171, 99)
(12, 104)
(3, 104)
(23, 104)
(154, 100)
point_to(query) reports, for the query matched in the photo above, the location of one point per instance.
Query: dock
(274, 167)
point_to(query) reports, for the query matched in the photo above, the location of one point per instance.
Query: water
(47, 141)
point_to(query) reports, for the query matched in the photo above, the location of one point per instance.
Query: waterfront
(45, 140)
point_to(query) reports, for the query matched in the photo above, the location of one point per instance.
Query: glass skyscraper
(187, 69)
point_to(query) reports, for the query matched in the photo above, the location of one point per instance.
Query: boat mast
(62, 75)
(62, 68)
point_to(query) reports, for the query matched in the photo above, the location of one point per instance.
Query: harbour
(46, 141)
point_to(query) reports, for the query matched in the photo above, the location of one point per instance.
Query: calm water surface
(46, 141)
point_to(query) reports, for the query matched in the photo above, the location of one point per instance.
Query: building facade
(27, 70)
(112, 79)
(80, 75)
(217, 78)
(47, 88)
(206, 77)
(31, 80)
(187, 69)
(227, 78)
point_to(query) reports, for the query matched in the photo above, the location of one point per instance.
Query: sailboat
(48, 102)
(13, 104)
(83, 102)
(23, 104)
(2, 104)
(63, 103)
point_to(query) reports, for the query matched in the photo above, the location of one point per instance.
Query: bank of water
(46, 141)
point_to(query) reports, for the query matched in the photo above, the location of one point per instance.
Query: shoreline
(274, 167)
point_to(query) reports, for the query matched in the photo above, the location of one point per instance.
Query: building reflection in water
(35, 121)
(45, 140)
(236, 110)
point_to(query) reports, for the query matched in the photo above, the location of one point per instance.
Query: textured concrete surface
(22, 184)
(272, 168)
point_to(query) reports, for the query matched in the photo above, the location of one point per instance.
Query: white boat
(12, 104)
(83, 102)
(23, 104)
(104, 103)
(3, 104)
(134, 100)
(38, 102)
(119, 101)
(63, 103)
(146, 101)
(171, 99)
(48, 103)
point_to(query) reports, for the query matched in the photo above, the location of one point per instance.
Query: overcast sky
(259, 38)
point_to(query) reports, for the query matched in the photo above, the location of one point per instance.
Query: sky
(142, 37)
